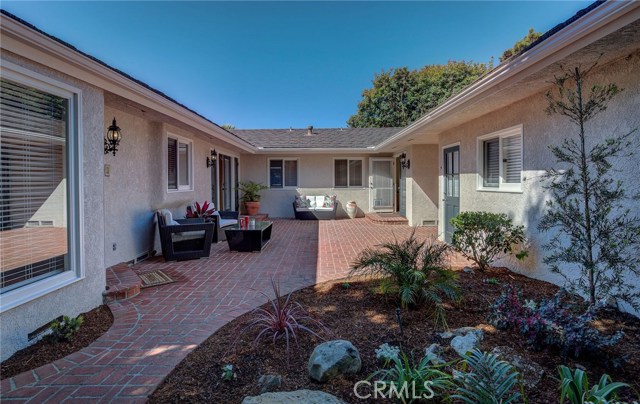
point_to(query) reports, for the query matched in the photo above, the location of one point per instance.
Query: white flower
(387, 352)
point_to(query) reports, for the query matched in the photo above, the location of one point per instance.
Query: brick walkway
(155, 330)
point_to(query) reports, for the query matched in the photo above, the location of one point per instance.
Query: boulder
(457, 332)
(468, 270)
(467, 341)
(293, 397)
(531, 371)
(333, 358)
(435, 351)
(268, 383)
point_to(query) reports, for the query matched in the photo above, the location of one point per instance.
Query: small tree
(595, 232)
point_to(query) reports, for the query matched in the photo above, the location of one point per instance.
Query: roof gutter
(594, 25)
(27, 42)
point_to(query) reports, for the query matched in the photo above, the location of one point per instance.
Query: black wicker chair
(218, 230)
(190, 239)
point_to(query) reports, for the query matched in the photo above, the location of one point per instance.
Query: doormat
(155, 278)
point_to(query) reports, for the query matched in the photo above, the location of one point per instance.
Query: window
(500, 157)
(39, 186)
(178, 164)
(347, 173)
(283, 173)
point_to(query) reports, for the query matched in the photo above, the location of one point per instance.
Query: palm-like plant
(409, 382)
(413, 269)
(486, 379)
(574, 387)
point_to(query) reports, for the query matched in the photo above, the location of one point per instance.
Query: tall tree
(400, 96)
(596, 232)
(531, 36)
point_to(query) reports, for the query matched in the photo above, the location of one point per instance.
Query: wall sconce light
(404, 162)
(212, 161)
(112, 140)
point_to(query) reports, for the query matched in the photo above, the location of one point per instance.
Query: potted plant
(251, 196)
(200, 211)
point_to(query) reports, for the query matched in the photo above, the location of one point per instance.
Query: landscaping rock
(436, 351)
(462, 331)
(333, 358)
(467, 340)
(468, 270)
(294, 397)
(531, 371)
(268, 383)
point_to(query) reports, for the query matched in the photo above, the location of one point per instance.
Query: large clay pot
(252, 208)
(352, 209)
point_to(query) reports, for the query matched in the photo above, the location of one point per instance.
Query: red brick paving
(155, 330)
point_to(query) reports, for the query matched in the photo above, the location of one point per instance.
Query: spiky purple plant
(283, 318)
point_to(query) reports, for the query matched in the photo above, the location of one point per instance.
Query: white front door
(381, 187)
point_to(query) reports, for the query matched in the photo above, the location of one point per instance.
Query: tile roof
(338, 138)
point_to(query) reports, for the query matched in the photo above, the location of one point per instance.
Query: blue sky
(282, 64)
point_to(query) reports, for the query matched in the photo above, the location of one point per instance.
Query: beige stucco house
(70, 210)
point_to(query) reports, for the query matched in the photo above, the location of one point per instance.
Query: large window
(39, 213)
(283, 173)
(178, 164)
(500, 157)
(347, 173)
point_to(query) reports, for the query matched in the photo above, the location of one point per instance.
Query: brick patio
(155, 330)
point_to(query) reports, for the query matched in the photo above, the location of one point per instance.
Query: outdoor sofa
(184, 239)
(315, 207)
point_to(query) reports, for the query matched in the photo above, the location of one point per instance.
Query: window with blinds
(491, 176)
(347, 173)
(512, 159)
(283, 173)
(33, 184)
(501, 160)
(178, 164)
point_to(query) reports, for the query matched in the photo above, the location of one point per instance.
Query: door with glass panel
(225, 181)
(381, 188)
(451, 199)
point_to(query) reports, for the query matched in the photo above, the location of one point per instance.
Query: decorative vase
(352, 209)
(252, 208)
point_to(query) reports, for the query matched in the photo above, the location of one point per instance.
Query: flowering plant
(201, 211)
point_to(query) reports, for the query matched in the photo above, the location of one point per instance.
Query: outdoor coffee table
(252, 238)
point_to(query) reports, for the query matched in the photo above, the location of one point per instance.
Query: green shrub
(413, 269)
(65, 329)
(408, 382)
(574, 387)
(485, 379)
(484, 237)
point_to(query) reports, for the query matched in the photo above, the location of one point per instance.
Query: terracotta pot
(252, 208)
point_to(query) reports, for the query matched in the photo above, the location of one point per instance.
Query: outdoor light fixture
(404, 162)
(112, 140)
(212, 161)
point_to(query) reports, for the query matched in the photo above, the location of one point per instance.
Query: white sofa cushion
(321, 208)
(228, 222)
(168, 218)
(187, 235)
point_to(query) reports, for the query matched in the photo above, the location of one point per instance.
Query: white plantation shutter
(491, 175)
(512, 159)
(33, 184)
(172, 163)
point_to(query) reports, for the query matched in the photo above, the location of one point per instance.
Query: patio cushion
(324, 208)
(302, 201)
(305, 209)
(168, 218)
(187, 235)
(329, 201)
(319, 201)
(228, 222)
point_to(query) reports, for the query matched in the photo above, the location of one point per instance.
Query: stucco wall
(137, 185)
(422, 184)
(539, 131)
(85, 294)
(316, 178)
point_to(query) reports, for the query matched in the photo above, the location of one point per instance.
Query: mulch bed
(96, 322)
(363, 316)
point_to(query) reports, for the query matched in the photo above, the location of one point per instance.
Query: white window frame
(500, 135)
(75, 217)
(189, 142)
(284, 180)
(333, 171)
